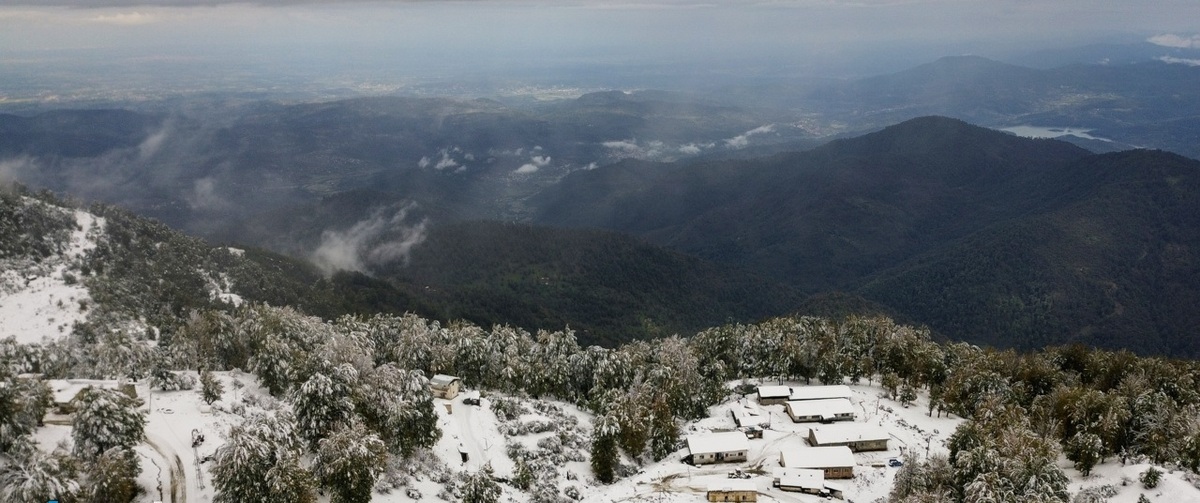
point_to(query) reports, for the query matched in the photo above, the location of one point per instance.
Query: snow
(474, 430)
(819, 392)
(36, 302)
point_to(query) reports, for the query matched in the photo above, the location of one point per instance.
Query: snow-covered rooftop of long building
(774, 391)
(820, 392)
(847, 432)
(817, 457)
(828, 408)
(717, 442)
(801, 477)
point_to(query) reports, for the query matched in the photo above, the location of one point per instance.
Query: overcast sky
(475, 34)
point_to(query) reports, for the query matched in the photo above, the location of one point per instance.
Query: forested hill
(980, 234)
(606, 287)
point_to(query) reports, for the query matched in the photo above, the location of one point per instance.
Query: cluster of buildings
(833, 439)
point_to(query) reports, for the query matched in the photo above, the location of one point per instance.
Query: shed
(733, 490)
(820, 392)
(444, 386)
(726, 447)
(834, 462)
(825, 410)
(857, 436)
(773, 395)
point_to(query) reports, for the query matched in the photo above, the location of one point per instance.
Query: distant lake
(1051, 132)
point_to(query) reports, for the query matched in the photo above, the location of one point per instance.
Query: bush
(1151, 477)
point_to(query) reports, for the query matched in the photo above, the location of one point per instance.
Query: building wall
(839, 472)
(723, 457)
(773, 401)
(732, 496)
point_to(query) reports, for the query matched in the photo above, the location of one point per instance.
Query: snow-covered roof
(827, 408)
(65, 390)
(817, 457)
(847, 432)
(774, 391)
(820, 392)
(733, 485)
(442, 380)
(709, 443)
(746, 415)
(802, 477)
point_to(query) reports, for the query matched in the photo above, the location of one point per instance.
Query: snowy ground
(477, 431)
(38, 302)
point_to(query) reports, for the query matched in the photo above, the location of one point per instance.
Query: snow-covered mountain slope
(40, 300)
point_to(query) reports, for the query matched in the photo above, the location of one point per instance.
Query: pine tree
(105, 419)
(664, 431)
(1084, 449)
(211, 388)
(348, 462)
(522, 474)
(1150, 477)
(604, 449)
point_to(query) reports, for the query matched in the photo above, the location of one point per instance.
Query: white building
(773, 395)
(824, 411)
(444, 386)
(801, 480)
(727, 447)
(857, 436)
(834, 462)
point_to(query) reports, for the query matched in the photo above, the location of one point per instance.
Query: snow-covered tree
(604, 448)
(1084, 449)
(31, 475)
(259, 463)
(23, 403)
(323, 403)
(105, 419)
(112, 478)
(211, 389)
(398, 406)
(348, 462)
(664, 431)
(480, 487)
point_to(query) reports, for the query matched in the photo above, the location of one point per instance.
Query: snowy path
(177, 487)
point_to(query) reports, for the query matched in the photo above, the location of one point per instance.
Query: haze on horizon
(385, 46)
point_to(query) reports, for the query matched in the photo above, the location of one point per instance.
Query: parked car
(471, 400)
(895, 463)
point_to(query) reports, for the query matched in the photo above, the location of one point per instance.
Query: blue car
(895, 463)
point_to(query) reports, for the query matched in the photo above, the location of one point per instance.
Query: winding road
(178, 476)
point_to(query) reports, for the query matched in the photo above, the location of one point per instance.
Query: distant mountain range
(983, 235)
(683, 211)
